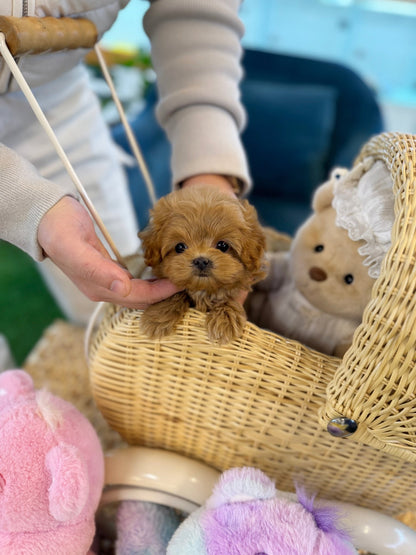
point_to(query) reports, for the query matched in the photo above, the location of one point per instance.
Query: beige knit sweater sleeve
(196, 52)
(24, 199)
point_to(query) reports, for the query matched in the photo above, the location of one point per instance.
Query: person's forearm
(24, 199)
(196, 53)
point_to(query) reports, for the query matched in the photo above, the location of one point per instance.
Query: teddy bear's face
(327, 268)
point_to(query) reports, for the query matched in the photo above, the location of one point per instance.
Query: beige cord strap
(130, 135)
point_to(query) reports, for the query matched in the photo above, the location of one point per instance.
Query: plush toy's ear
(327, 519)
(69, 489)
(15, 384)
(323, 196)
(241, 484)
(325, 193)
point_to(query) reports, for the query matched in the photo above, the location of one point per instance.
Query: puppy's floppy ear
(151, 239)
(254, 245)
(153, 235)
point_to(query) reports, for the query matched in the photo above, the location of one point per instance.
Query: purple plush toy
(246, 515)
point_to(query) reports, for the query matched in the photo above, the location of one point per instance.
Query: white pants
(74, 113)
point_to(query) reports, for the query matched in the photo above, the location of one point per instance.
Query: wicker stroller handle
(35, 35)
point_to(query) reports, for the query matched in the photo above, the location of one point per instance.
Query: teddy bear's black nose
(317, 274)
(202, 263)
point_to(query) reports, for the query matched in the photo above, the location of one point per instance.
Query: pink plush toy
(51, 472)
(246, 515)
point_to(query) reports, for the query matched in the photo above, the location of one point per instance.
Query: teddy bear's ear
(241, 484)
(324, 194)
(69, 488)
(15, 384)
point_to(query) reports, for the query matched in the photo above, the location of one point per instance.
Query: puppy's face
(204, 240)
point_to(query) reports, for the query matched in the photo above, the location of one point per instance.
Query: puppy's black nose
(202, 263)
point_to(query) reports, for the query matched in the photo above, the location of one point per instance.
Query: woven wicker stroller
(264, 400)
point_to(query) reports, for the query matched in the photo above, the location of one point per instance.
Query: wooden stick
(35, 35)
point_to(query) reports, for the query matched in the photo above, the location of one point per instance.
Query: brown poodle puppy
(210, 245)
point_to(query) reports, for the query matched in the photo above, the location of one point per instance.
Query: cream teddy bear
(316, 291)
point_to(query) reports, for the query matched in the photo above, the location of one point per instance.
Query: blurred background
(376, 38)
(321, 76)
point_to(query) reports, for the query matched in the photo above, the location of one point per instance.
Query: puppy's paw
(226, 322)
(161, 319)
(152, 325)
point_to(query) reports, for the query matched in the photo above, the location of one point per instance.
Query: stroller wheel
(157, 476)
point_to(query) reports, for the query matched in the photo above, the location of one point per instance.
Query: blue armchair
(304, 117)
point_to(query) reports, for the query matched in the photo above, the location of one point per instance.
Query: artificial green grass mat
(26, 306)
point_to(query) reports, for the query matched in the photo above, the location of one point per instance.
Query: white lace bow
(364, 203)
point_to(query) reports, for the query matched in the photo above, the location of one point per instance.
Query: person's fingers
(143, 292)
(102, 279)
(96, 275)
(67, 235)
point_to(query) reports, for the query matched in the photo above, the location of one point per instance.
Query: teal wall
(380, 45)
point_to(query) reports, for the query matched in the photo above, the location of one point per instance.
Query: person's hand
(67, 236)
(218, 181)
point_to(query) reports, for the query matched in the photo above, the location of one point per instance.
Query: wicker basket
(265, 401)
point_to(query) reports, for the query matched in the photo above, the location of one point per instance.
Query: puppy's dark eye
(319, 248)
(180, 247)
(222, 246)
(349, 278)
